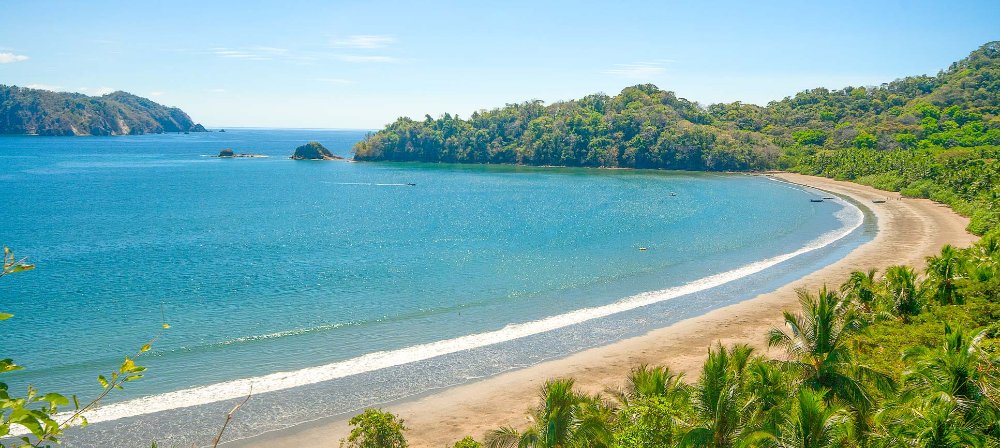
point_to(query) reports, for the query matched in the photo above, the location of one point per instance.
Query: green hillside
(44, 112)
(927, 136)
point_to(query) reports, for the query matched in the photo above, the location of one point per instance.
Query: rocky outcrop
(230, 154)
(314, 151)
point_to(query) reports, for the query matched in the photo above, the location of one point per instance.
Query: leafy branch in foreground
(39, 414)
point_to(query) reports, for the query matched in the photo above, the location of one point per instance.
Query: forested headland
(927, 136)
(44, 112)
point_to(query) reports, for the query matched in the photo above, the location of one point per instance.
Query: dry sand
(908, 231)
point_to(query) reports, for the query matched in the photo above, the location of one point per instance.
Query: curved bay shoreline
(908, 231)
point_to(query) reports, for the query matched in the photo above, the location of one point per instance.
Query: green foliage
(721, 397)
(642, 127)
(905, 293)
(565, 418)
(906, 141)
(468, 442)
(813, 422)
(862, 288)
(817, 346)
(865, 140)
(810, 137)
(945, 272)
(649, 423)
(375, 428)
(653, 401)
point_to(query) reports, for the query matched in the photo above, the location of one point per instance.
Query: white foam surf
(850, 216)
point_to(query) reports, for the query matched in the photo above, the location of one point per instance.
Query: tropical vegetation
(902, 358)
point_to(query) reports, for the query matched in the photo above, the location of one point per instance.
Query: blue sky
(361, 64)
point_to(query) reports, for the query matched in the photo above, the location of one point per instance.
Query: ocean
(330, 286)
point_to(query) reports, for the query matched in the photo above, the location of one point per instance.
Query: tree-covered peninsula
(44, 112)
(927, 136)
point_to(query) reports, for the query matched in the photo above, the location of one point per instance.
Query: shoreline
(908, 230)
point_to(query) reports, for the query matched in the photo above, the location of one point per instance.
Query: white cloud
(217, 90)
(365, 59)
(44, 87)
(271, 50)
(638, 70)
(238, 54)
(365, 41)
(99, 91)
(7, 58)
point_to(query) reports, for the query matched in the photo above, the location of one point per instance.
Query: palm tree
(988, 247)
(904, 290)
(935, 425)
(769, 386)
(721, 399)
(655, 403)
(960, 374)
(813, 423)
(593, 423)
(944, 271)
(564, 419)
(863, 287)
(817, 347)
(645, 382)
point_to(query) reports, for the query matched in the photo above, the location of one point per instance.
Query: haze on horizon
(355, 64)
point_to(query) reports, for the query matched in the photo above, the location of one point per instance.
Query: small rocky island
(229, 154)
(314, 151)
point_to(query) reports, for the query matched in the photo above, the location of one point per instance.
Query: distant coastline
(48, 113)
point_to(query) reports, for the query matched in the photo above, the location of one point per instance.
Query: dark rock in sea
(314, 151)
(230, 154)
(198, 128)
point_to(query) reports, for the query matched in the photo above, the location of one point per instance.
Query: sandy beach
(908, 231)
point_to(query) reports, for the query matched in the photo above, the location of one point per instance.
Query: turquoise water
(273, 265)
